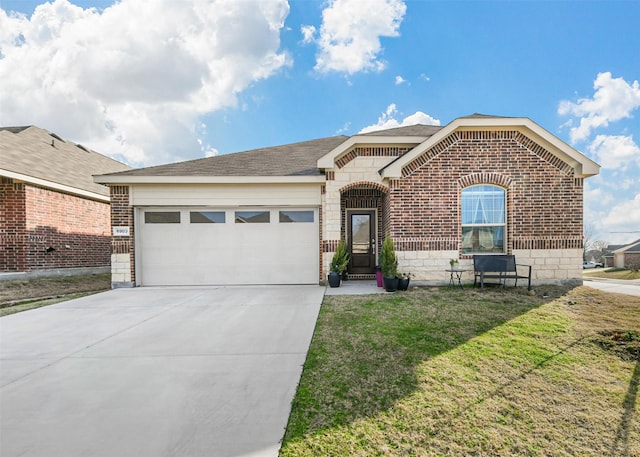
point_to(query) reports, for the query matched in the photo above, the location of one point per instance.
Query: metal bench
(500, 267)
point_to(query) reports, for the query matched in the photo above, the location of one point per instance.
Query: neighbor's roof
(34, 155)
(634, 246)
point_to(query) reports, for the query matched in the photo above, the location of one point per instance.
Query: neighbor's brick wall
(33, 219)
(13, 232)
(122, 247)
(627, 260)
(76, 228)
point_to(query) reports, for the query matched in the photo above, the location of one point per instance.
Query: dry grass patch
(24, 294)
(443, 372)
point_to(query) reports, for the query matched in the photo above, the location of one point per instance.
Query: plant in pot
(403, 281)
(389, 265)
(338, 264)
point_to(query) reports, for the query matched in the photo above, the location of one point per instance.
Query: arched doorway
(362, 207)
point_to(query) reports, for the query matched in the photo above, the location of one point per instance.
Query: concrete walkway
(627, 287)
(618, 286)
(151, 372)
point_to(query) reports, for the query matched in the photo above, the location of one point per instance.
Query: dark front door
(361, 233)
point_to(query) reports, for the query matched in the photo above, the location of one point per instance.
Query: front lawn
(611, 273)
(435, 372)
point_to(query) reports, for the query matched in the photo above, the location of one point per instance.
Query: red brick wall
(13, 233)
(632, 260)
(76, 230)
(544, 200)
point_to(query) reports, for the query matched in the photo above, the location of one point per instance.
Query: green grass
(612, 273)
(443, 372)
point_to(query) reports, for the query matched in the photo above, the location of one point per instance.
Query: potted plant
(403, 281)
(453, 262)
(379, 279)
(338, 264)
(389, 265)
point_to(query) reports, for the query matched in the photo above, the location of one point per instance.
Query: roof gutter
(55, 186)
(116, 179)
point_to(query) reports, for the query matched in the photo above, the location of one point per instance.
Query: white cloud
(350, 34)
(308, 33)
(615, 151)
(400, 80)
(623, 217)
(387, 120)
(614, 99)
(131, 81)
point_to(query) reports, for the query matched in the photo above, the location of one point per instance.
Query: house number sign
(120, 231)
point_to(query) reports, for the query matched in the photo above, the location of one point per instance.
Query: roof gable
(410, 135)
(582, 165)
(34, 155)
(634, 246)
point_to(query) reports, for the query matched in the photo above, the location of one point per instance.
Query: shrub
(388, 258)
(340, 258)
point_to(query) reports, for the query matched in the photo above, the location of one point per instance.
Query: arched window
(483, 219)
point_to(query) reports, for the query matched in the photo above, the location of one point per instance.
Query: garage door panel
(228, 253)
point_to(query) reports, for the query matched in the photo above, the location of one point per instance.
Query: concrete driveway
(182, 371)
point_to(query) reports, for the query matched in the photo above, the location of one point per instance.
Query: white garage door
(227, 246)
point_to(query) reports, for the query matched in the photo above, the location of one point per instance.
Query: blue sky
(166, 80)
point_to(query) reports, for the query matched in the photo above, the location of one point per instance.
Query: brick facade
(43, 229)
(421, 210)
(419, 204)
(544, 200)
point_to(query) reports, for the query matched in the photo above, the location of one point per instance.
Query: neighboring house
(481, 184)
(52, 214)
(608, 254)
(626, 256)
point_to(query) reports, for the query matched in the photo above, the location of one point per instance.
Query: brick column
(122, 245)
(13, 226)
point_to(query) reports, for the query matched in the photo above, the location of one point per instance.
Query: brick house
(624, 256)
(53, 216)
(481, 184)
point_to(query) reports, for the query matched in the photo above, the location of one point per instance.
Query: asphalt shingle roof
(37, 153)
(296, 159)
